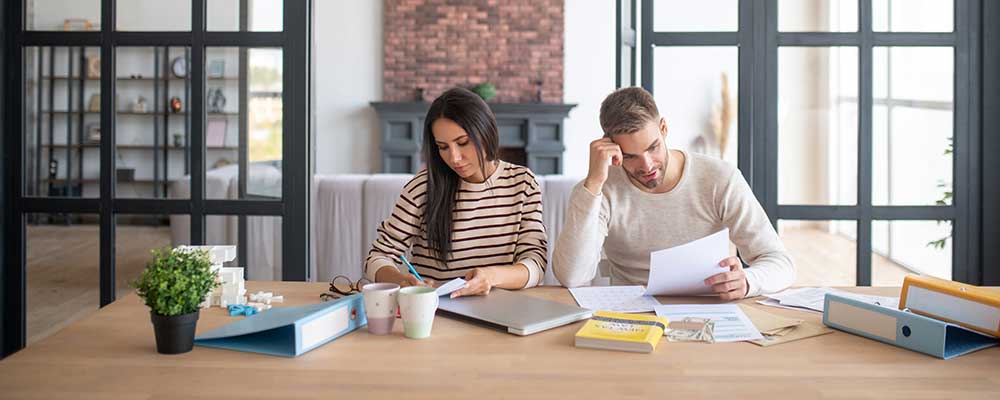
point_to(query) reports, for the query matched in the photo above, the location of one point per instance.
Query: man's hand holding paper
(732, 284)
(695, 268)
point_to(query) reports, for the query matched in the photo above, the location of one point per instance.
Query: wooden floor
(64, 270)
(825, 259)
(63, 267)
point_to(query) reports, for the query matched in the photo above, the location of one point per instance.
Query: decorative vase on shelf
(216, 100)
(93, 67)
(175, 104)
(139, 106)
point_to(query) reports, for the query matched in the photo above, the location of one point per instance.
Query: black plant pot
(174, 334)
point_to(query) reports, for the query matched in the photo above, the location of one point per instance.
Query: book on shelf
(623, 332)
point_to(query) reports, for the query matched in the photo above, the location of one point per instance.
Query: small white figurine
(231, 289)
(266, 298)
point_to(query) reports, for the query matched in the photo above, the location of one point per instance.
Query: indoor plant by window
(173, 285)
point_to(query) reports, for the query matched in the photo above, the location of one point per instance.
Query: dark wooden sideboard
(531, 134)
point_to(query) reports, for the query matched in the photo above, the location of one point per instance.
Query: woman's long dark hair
(471, 113)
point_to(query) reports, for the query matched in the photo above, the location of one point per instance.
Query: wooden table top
(111, 355)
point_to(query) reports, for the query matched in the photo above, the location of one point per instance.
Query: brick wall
(438, 44)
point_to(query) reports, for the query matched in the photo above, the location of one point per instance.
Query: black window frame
(974, 209)
(990, 151)
(293, 207)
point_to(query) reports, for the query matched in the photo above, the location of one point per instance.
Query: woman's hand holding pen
(411, 280)
(414, 279)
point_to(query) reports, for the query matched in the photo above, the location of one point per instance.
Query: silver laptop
(516, 313)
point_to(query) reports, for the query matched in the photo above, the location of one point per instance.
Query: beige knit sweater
(628, 224)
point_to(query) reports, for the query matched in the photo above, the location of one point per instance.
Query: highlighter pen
(412, 271)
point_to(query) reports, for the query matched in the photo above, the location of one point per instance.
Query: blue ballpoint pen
(412, 271)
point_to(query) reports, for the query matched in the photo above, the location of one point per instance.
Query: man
(651, 198)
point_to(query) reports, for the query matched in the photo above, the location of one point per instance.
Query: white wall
(148, 15)
(348, 39)
(348, 75)
(48, 15)
(589, 76)
(802, 118)
(687, 84)
(133, 15)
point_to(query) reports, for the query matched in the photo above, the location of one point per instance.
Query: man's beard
(652, 183)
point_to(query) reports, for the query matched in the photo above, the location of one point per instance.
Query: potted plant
(173, 285)
(485, 90)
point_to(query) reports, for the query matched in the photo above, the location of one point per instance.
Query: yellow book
(620, 331)
(965, 305)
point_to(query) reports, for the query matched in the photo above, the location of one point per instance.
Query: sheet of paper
(625, 299)
(884, 301)
(802, 331)
(812, 298)
(450, 286)
(731, 323)
(778, 329)
(682, 270)
(769, 324)
(775, 303)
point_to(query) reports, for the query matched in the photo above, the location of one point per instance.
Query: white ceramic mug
(417, 305)
(380, 306)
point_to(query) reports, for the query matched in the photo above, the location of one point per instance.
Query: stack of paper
(731, 323)
(777, 329)
(451, 286)
(622, 299)
(811, 299)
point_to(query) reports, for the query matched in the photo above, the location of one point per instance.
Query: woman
(468, 214)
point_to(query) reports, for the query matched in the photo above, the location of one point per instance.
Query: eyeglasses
(342, 286)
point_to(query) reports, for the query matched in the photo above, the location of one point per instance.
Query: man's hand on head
(603, 152)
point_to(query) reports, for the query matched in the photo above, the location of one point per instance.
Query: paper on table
(682, 270)
(769, 324)
(450, 286)
(884, 301)
(731, 323)
(625, 299)
(812, 298)
(777, 329)
(776, 303)
(803, 331)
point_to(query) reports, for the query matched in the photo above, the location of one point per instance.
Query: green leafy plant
(485, 90)
(176, 282)
(945, 200)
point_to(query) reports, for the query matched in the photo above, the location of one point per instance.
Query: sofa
(263, 232)
(346, 210)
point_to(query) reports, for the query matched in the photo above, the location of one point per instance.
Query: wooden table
(111, 354)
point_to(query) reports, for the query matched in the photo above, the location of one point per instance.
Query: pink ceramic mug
(380, 306)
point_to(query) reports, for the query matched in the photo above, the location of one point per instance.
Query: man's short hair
(627, 110)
